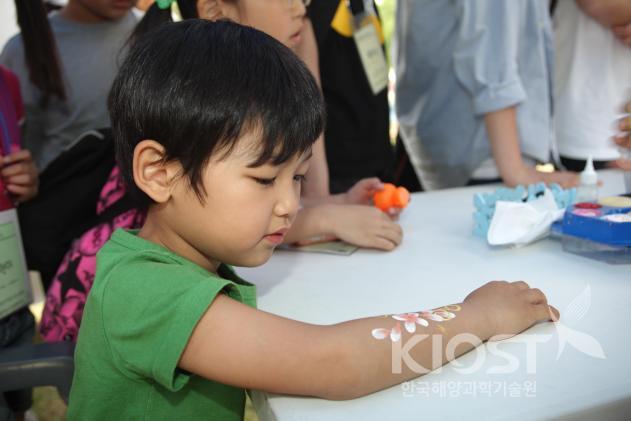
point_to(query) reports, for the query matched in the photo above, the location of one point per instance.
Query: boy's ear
(215, 9)
(152, 174)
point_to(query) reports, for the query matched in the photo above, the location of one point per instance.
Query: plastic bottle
(391, 197)
(588, 189)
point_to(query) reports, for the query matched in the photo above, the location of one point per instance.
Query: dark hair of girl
(40, 50)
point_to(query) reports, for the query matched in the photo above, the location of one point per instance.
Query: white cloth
(592, 79)
(517, 223)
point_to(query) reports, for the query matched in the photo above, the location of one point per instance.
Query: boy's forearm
(367, 364)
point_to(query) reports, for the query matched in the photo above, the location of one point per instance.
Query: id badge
(15, 288)
(372, 57)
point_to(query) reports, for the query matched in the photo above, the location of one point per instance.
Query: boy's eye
(301, 178)
(265, 181)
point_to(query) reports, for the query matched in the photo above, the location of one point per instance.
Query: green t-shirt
(139, 316)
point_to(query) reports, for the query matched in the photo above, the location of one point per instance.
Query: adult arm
(609, 13)
(623, 139)
(485, 61)
(317, 182)
(501, 127)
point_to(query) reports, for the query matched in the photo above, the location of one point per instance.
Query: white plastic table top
(440, 262)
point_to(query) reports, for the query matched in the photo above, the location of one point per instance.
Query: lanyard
(355, 6)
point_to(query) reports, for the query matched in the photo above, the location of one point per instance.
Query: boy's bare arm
(235, 344)
(609, 13)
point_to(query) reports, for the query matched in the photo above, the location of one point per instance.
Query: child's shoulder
(133, 275)
(136, 260)
(128, 264)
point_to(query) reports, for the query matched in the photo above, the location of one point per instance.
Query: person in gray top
(60, 106)
(474, 90)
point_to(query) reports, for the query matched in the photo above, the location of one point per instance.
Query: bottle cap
(589, 177)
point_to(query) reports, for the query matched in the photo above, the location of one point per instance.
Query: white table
(439, 262)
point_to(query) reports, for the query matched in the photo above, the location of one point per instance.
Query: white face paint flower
(394, 333)
(411, 320)
(438, 315)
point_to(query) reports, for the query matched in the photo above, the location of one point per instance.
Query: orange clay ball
(391, 197)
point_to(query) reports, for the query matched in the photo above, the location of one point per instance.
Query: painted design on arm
(394, 333)
(410, 320)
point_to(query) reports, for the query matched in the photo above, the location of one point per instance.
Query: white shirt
(592, 81)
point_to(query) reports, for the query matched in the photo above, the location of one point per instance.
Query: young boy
(214, 124)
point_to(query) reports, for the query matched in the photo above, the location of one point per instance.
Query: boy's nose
(287, 204)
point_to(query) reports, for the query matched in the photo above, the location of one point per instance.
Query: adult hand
(529, 175)
(624, 139)
(623, 33)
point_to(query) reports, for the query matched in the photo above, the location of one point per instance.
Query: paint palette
(595, 222)
(597, 231)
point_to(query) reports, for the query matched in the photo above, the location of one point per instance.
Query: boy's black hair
(197, 86)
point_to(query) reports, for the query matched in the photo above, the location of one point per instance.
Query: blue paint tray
(596, 227)
(593, 236)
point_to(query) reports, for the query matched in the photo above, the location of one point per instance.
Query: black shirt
(357, 132)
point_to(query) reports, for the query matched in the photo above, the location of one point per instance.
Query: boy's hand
(20, 175)
(508, 308)
(364, 226)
